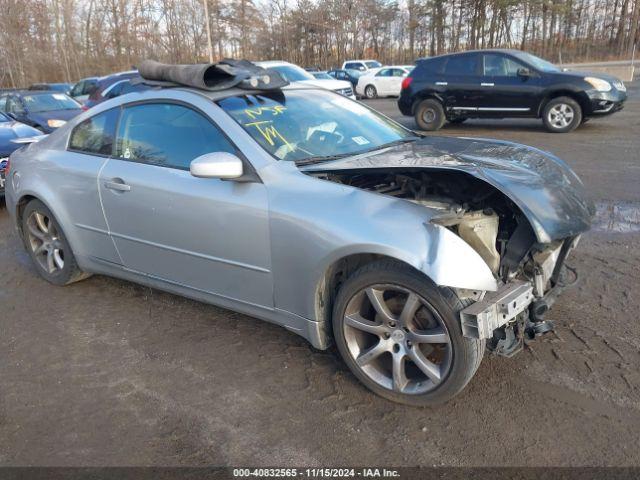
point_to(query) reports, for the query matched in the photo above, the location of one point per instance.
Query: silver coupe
(298, 206)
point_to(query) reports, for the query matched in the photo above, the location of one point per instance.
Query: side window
(115, 90)
(385, 72)
(77, 88)
(396, 72)
(14, 105)
(3, 104)
(96, 134)
(168, 135)
(461, 65)
(496, 65)
(89, 87)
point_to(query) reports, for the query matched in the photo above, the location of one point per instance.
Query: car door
(381, 80)
(76, 173)
(506, 91)
(207, 234)
(395, 81)
(461, 82)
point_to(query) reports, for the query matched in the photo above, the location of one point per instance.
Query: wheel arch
(582, 99)
(425, 95)
(435, 265)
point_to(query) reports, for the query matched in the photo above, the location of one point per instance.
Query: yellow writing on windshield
(254, 113)
(269, 132)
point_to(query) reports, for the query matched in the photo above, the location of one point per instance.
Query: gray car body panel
(261, 248)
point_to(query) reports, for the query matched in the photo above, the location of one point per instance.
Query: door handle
(442, 83)
(117, 185)
(487, 84)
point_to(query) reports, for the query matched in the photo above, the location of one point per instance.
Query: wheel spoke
(400, 379)
(377, 301)
(58, 259)
(410, 308)
(41, 222)
(433, 335)
(35, 231)
(427, 367)
(50, 262)
(41, 248)
(358, 322)
(371, 354)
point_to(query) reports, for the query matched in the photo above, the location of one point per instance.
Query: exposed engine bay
(530, 274)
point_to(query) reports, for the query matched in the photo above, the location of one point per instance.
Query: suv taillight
(406, 82)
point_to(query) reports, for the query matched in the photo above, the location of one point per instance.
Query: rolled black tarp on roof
(225, 74)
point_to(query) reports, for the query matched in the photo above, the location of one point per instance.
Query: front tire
(370, 92)
(47, 245)
(562, 115)
(401, 337)
(429, 115)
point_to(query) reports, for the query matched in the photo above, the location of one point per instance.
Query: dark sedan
(503, 84)
(45, 111)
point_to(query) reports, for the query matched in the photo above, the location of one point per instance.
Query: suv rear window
(462, 65)
(429, 66)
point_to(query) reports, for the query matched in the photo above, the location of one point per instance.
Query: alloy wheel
(370, 92)
(561, 115)
(397, 339)
(44, 241)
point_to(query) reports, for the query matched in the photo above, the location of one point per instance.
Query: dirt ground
(106, 372)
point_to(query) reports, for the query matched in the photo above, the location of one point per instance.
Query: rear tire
(430, 115)
(421, 357)
(370, 92)
(562, 115)
(48, 247)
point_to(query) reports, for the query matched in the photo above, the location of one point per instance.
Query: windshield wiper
(320, 159)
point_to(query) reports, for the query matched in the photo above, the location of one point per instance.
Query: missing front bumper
(496, 309)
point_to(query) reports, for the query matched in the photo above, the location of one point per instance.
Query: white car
(299, 76)
(361, 65)
(382, 82)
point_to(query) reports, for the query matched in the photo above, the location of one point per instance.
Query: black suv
(505, 83)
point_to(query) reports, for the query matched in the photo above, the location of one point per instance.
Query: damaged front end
(525, 248)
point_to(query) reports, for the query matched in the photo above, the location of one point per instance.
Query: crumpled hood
(547, 191)
(12, 130)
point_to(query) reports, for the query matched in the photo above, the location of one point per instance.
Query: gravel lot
(106, 372)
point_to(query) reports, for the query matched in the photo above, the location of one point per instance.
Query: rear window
(431, 66)
(461, 65)
(95, 135)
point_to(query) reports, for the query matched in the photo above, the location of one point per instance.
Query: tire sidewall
(458, 375)
(439, 116)
(577, 114)
(60, 277)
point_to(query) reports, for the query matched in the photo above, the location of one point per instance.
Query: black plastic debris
(227, 73)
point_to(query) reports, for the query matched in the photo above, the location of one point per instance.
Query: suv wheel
(561, 115)
(430, 115)
(370, 92)
(400, 335)
(47, 245)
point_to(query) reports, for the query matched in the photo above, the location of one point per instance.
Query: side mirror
(524, 72)
(217, 165)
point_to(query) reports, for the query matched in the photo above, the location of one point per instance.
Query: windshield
(305, 125)
(292, 73)
(322, 76)
(373, 64)
(49, 101)
(538, 62)
(4, 118)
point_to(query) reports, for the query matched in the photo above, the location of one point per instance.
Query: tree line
(65, 40)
